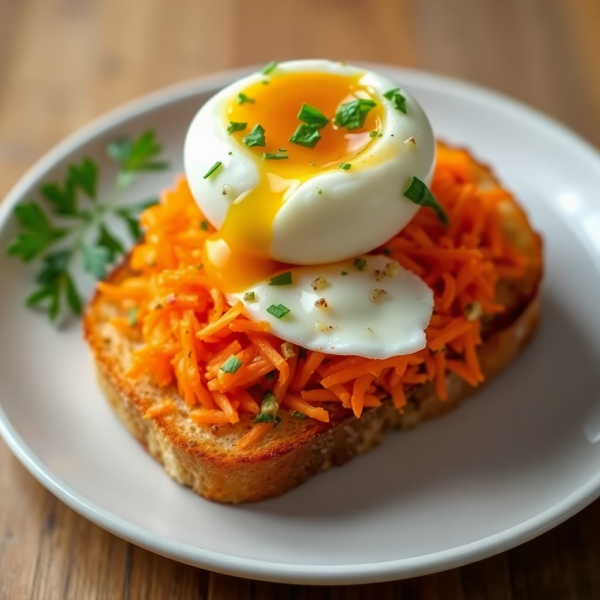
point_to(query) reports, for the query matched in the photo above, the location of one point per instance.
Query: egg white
(336, 214)
(378, 312)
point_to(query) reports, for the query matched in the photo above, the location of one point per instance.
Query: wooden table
(63, 62)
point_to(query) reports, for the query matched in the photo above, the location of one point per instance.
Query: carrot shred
(320, 414)
(254, 435)
(189, 332)
(160, 408)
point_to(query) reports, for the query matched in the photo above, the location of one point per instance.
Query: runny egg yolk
(237, 256)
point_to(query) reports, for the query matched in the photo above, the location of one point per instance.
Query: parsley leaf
(306, 135)
(345, 166)
(81, 233)
(212, 169)
(398, 100)
(268, 68)
(352, 114)
(107, 240)
(37, 235)
(231, 365)
(274, 156)
(96, 260)
(360, 264)
(281, 279)
(418, 193)
(255, 138)
(243, 99)
(236, 126)
(312, 116)
(137, 155)
(278, 310)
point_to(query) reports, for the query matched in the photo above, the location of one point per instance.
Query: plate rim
(260, 569)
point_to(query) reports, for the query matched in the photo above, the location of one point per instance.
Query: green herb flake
(249, 297)
(236, 126)
(133, 316)
(319, 191)
(231, 365)
(345, 166)
(344, 273)
(274, 156)
(212, 169)
(263, 418)
(360, 264)
(255, 138)
(204, 225)
(397, 99)
(298, 415)
(83, 219)
(312, 116)
(282, 279)
(278, 310)
(418, 193)
(352, 114)
(306, 135)
(243, 99)
(387, 251)
(269, 68)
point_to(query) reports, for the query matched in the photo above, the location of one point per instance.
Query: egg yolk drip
(237, 256)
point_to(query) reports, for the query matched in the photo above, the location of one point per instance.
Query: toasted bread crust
(207, 460)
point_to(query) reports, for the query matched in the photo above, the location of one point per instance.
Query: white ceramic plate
(506, 466)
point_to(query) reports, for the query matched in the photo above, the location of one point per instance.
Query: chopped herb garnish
(360, 264)
(268, 68)
(278, 310)
(352, 114)
(312, 116)
(387, 251)
(306, 135)
(231, 365)
(344, 273)
(298, 415)
(319, 191)
(268, 410)
(398, 100)
(345, 166)
(255, 138)
(81, 234)
(281, 279)
(419, 193)
(243, 99)
(274, 156)
(249, 297)
(133, 313)
(236, 126)
(204, 225)
(212, 169)
(263, 418)
(374, 133)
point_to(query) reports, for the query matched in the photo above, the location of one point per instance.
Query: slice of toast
(206, 458)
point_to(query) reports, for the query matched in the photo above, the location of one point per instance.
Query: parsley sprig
(69, 227)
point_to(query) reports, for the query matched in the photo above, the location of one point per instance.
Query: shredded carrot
(320, 414)
(162, 407)
(257, 433)
(221, 361)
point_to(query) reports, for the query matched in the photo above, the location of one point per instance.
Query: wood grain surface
(64, 62)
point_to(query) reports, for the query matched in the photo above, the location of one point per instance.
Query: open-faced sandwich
(324, 273)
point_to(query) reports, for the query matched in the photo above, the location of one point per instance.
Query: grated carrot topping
(162, 407)
(188, 331)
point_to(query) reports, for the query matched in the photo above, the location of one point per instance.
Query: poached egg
(305, 163)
